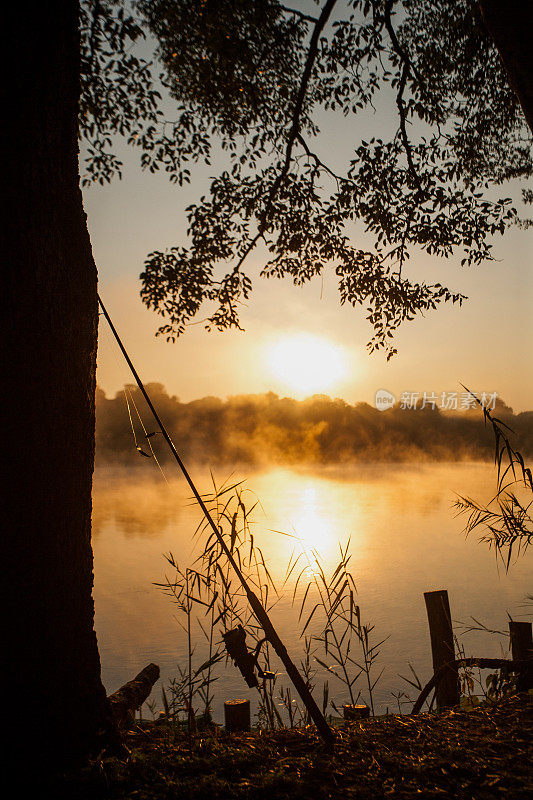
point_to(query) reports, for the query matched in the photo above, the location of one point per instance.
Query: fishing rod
(257, 607)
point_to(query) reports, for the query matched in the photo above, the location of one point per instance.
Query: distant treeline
(266, 429)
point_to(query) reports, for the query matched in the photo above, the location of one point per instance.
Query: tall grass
(344, 641)
(211, 602)
(506, 521)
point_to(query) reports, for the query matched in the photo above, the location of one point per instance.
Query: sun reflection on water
(313, 516)
(311, 525)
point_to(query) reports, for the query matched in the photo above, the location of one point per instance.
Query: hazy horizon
(266, 429)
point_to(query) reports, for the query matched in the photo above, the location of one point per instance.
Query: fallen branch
(483, 663)
(132, 695)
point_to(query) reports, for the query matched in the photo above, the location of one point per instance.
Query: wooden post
(442, 647)
(237, 715)
(521, 635)
(352, 712)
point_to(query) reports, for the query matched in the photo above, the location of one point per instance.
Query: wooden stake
(351, 712)
(442, 648)
(237, 715)
(521, 635)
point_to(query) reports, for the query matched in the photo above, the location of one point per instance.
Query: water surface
(404, 540)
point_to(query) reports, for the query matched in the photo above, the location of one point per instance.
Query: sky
(485, 344)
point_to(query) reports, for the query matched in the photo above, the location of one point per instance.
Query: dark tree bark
(56, 704)
(510, 25)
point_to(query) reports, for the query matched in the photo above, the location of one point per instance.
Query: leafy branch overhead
(252, 83)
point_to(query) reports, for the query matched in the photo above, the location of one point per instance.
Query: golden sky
(486, 344)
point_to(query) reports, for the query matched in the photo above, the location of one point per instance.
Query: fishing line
(124, 383)
(131, 423)
(147, 436)
(132, 401)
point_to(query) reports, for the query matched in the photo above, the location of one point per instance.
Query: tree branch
(406, 70)
(317, 160)
(296, 121)
(509, 25)
(404, 56)
(94, 32)
(306, 17)
(310, 61)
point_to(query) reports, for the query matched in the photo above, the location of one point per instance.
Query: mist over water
(261, 430)
(404, 540)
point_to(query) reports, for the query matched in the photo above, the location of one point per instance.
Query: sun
(306, 364)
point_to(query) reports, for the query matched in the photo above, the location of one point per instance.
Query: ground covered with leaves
(482, 753)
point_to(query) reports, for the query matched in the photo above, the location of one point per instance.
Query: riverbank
(482, 754)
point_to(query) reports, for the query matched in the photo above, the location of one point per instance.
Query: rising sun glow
(307, 364)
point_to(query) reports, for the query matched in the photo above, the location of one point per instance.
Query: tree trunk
(510, 25)
(56, 701)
